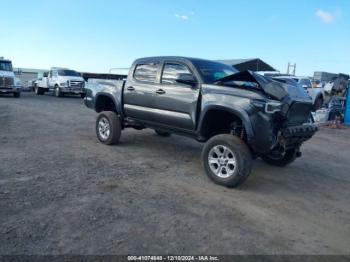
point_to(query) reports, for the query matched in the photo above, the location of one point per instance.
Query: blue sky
(98, 35)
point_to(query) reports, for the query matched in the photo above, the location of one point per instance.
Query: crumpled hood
(276, 90)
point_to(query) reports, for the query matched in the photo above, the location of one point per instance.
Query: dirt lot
(61, 191)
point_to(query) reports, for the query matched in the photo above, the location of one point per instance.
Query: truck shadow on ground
(184, 155)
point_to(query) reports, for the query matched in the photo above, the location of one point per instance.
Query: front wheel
(108, 127)
(38, 90)
(227, 160)
(281, 159)
(58, 92)
(17, 94)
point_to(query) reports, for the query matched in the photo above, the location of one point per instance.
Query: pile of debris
(332, 113)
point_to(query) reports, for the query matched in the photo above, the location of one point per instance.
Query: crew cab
(9, 84)
(238, 115)
(61, 81)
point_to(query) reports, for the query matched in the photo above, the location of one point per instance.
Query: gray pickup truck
(239, 115)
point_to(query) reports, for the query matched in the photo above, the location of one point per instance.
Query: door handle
(130, 88)
(160, 91)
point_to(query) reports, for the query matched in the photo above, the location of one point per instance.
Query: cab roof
(178, 58)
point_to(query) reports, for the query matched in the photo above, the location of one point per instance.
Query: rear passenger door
(140, 90)
(176, 103)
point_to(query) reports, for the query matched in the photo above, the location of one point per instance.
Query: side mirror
(45, 74)
(187, 79)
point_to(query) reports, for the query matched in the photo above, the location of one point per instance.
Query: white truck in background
(61, 81)
(8, 82)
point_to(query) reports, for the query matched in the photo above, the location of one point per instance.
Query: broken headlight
(269, 107)
(272, 107)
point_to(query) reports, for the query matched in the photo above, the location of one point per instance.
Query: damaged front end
(282, 120)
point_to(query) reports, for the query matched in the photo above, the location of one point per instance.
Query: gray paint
(183, 108)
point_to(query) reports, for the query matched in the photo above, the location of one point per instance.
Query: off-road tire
(114, 125)
(17, 94)
(289, 156)
(242, 156)
(162, 133)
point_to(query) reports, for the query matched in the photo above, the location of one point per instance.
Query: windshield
(289, 81)
(67, 72)
(212, 71)
(5, 66)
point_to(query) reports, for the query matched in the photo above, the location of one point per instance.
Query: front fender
(238, 112)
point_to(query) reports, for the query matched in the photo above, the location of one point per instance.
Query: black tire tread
(244, 157)
(115, 127)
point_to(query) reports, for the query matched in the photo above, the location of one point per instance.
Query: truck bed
(113, 88)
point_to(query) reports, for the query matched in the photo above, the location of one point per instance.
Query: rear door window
(146, 72)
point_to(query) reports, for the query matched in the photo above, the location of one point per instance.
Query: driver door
(176, 103)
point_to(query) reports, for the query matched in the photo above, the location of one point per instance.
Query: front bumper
(10, 89)
(72, 90)
(296, 135)
(270, 133)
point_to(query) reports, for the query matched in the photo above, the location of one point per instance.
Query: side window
(171, 70)
(146, 72)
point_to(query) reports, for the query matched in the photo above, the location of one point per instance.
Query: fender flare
(109, 96)
(238, 112)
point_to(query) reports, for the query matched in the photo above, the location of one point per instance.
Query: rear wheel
(162, 133)
(17, 94)
(108, 127)
(281, 159)
(227, 160)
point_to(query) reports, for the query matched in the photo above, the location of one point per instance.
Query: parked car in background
(61, 81)
(317, 94)
(239, 115)
(8, 82)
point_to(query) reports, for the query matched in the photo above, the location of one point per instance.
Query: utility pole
(291, 69)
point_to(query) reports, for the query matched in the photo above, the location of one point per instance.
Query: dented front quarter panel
(258, 125)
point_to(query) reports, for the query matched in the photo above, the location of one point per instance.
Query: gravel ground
(63, 192)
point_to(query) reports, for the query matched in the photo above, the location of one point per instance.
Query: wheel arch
(105, 102)
(235, 113)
